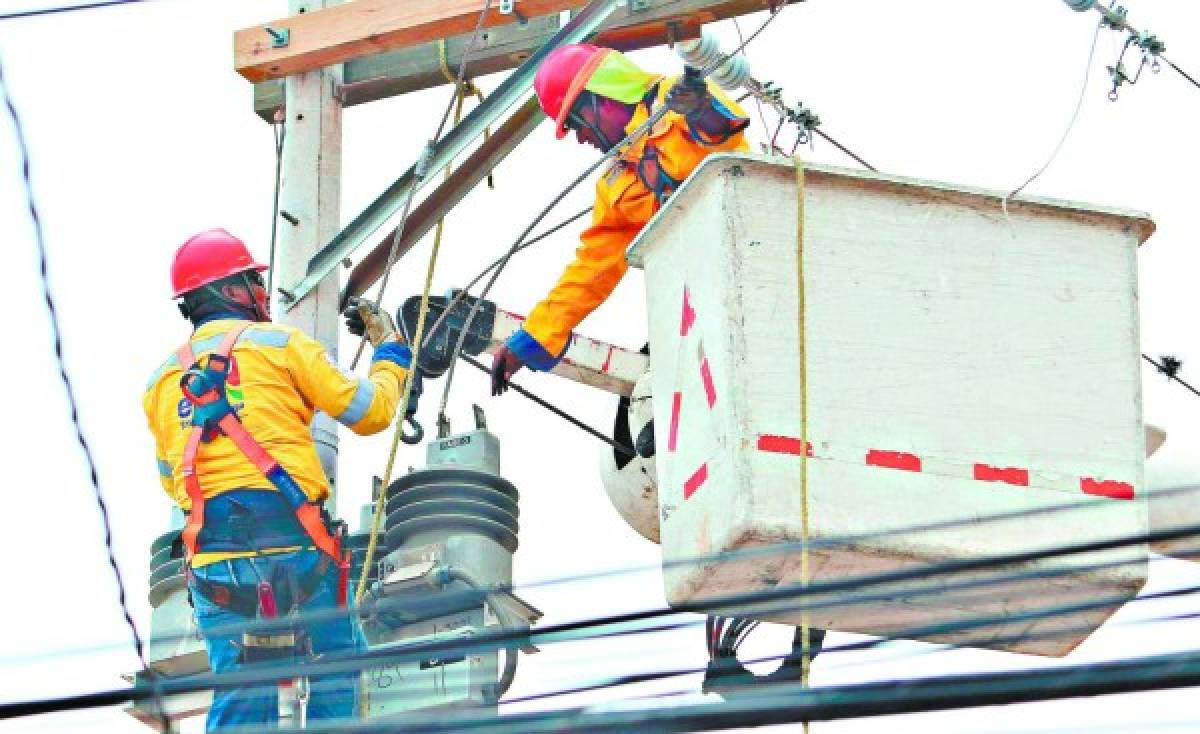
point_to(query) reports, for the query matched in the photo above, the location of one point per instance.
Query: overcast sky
(141, 134)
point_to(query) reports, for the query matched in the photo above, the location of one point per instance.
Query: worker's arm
(365, 405)
(587, 282)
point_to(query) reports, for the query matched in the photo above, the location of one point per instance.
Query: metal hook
(1112, 96)
(418, 434)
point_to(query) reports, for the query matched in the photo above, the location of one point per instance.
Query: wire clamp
(423, 162)
(1115, 18)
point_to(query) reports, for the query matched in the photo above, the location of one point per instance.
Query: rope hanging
(802, 347)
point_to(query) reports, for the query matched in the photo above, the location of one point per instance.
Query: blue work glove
(504, 365)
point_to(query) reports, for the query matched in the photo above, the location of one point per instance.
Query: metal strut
(581, 26)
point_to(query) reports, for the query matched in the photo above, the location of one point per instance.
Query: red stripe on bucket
(1107, 488)
(689, 315)
(693, 483)
(706, 374)
(673, 437)
(1008, 475)
(783, 445)
(894, 460)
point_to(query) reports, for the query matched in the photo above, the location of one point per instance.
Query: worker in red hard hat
(601, 96)
(231, 414)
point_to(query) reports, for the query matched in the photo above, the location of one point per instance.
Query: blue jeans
(332, 697)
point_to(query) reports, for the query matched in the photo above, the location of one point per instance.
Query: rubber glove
(504, 365)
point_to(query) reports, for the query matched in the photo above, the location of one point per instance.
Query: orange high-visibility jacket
(279, 378)
(623, 205)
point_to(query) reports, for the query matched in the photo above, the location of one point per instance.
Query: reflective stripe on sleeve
(359, 404)
(265, 337)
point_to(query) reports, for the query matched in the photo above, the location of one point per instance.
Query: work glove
(689, 96)
(362, 316)
(504, 365)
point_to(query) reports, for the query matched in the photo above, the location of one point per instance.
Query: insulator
(700, 52)
(451, 501)
(733, 73)
(706, 51)
(1080, 5)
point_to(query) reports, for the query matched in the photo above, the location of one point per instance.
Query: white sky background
(141, 134)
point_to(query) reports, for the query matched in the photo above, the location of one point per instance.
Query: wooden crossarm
(337, 34)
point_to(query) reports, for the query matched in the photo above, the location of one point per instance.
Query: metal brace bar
(446, 196)
(445, 150)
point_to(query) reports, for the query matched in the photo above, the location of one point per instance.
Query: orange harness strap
(212, 414)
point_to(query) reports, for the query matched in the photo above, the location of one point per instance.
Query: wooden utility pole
(311, 193)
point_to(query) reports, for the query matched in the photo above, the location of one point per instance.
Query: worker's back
(278, 378)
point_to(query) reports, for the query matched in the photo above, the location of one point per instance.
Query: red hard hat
(561, 78)
(207, 257)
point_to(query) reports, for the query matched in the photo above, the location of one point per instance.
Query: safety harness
(212, 415)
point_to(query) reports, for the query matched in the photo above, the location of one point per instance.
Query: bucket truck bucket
(931, 381)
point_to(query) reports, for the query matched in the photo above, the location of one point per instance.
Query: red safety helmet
(208, 257)
(561, 78)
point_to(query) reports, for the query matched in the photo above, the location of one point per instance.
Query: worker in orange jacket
(602, 96)
(231, 414)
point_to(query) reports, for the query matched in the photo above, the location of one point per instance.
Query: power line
(1169, 366)
(67, 9)
(554, 409)
(795, 703)
(1087, 75)
(93, 474)
(1182, 73)
(618, 624)
(773, 550)
(921, 631)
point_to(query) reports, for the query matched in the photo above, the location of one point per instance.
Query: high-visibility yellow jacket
(625, 201)
(279, 378)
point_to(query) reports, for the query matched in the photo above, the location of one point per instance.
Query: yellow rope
(402, 410)
(806, 658)
(468, 88)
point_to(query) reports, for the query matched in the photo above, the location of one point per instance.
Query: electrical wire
(774, 550)
(792, 704)
(829, 139)
(554, 409)
(1171, 371)
(184, 685)
(68, 387)
(279, 128)
(1087, 75)
(758, 102)
(900, 634)
(621, 624)
(461, 294)
(1182, 73)
(66, 9)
